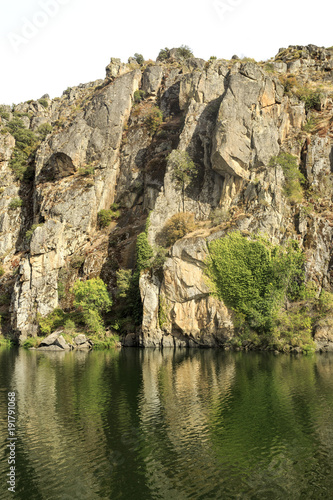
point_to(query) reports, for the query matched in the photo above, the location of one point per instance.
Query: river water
(187, 424)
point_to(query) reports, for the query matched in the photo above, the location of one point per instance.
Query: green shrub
(124, 277)
(2, 271)
(48, 324)
(212, 58)
(15, 203)
(160, 256)
(69, 326)
(164, 54)
(139, 58)
(5, 299)
(61, 290)
(183, 170)
(101, 342)
(144, 252)
(184, 52)
(44, 130)
(26, 143)
(254, 278)
(139, 95)
(86, 171)
(3, 113)
(293, 177)
(269, 67)
(44, 103)
(153, 119)
(311, 97)
(176, 228)
(32, 342)
(104, 217)
(162, 314)
(91, 298)
(3, 341)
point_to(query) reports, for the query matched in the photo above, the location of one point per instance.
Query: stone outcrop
(231, 117)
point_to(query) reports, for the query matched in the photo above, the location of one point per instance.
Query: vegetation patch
(176, 228)
(15, 203)
(153, 119)
(104, 217)
(255, 279)
(293, 177)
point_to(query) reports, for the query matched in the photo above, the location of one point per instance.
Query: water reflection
(141, 424)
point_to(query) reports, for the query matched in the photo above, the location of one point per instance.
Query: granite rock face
(231, 117)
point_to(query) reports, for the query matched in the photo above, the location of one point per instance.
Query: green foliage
(43, 102)
(293, 177)
(15, 203)
(164, 54)
(160, 255)
(91, 298)
(144, 252)
(325, 302)
(86, 171)
(254, 278)
(311, 97)
(184, 52)
(32, 342)
(212, 58)
(139, 58)
(61, 290)
(153, 119)
(292, 328)
(26, 143)
(104, 217)
(3, 113)
(124, 277)
(183, 168)
(175, 228)
(162, 315)
(2, 271)
(5, 299)
(3, 341)
(104, 342)
(77, 261)
(44, 130)
(139, 95)
(48, 324)
(31, 231)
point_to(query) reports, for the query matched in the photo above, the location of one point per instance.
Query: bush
(254, 278)
(104, 217)
(3, 113)
(176, 228)
(123, 282)
(183, 170)
(15, 203)
(293, 177)
(32, 342)
(139, 95)
(153, 119)
(51, 322)
(2, 271)
(139, 58)
(44, 103)
(91, 298)
(26, 143)
(144, 252)
(311, 97)
(5, 299)
(44, 130)
(164, 54)
(184, 52)
(86, 171)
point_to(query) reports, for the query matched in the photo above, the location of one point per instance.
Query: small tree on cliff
(92, 299)
(183, 170)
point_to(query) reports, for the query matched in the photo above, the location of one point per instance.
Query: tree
(92, 299)
(183, 170)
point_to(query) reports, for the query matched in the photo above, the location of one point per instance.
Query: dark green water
(141, 424)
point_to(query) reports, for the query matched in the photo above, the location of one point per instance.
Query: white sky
(71, 44)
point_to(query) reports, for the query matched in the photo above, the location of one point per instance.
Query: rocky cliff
(108, 142)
